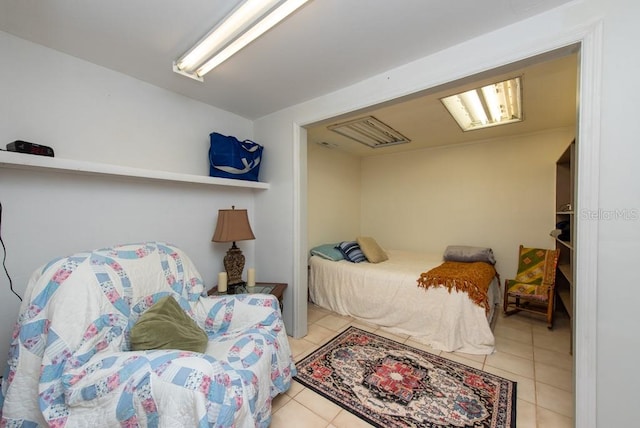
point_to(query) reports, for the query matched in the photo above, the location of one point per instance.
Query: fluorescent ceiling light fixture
(370, 131)
(491, 105)
(245, 24)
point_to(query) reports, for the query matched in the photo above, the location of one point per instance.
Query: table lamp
(233, 225)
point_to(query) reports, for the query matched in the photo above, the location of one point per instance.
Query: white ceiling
(326, 45)
(549, 100)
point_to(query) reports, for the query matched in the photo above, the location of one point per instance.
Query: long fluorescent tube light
(496, 104)
(229, 28)
(245, 24)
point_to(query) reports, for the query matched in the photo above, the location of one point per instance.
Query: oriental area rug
(389, 384)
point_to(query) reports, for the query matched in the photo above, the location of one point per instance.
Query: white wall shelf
(26, 161)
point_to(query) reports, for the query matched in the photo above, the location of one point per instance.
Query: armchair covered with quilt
(533, 289)
(199, 361)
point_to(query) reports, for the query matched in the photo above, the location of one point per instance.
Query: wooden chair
(533, 289)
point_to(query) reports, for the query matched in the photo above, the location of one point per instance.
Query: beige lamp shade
(233, 225)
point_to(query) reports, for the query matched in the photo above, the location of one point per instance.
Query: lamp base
(234, 265)
(238, 288)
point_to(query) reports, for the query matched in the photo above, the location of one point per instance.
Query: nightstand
(275, 288)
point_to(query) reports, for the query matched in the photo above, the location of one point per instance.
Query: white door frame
(587, 200)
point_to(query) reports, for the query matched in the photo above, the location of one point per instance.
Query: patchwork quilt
(70, 362)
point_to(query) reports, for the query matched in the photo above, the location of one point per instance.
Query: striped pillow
(351, 251)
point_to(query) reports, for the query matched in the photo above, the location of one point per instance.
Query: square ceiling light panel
(492, 105)
(370, 132)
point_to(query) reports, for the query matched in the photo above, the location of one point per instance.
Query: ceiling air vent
(370, 131)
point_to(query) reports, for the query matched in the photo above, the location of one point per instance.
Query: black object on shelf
(565, 227)
(20, 146)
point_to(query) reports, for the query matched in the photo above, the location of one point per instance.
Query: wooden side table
(275, 288)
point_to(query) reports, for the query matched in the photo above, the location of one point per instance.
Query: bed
(387, 294)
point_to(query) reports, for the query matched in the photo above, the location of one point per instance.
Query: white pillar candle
(251, 277)
(222, 282)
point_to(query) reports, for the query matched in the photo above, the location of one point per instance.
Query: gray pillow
(465, 253)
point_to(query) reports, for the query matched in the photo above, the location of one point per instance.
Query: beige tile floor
(526, 352)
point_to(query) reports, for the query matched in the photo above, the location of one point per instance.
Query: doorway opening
(586, 197)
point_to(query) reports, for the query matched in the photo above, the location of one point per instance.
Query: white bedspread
(387, 294)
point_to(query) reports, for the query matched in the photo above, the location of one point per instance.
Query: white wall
(607, 343)
(276, 218)
(498, 193)
(86, 112)
(333, 195)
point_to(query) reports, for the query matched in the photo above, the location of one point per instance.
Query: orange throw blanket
(472, 278)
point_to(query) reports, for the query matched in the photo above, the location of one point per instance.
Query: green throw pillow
(166, 326)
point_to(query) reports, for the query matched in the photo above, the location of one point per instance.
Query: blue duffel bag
(232, 158)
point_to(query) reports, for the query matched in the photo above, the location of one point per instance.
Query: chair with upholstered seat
(533, 289)
(127, 336)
